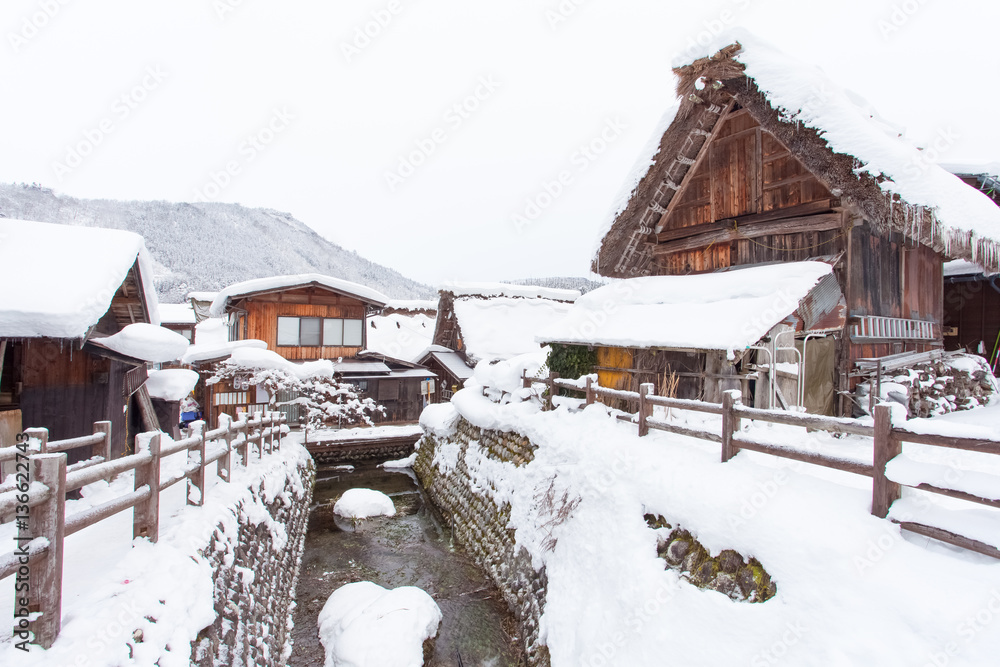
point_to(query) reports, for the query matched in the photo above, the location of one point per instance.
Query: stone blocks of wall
(480, 525)
(256, 571)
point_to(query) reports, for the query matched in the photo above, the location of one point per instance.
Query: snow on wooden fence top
(60, 279)
(729, 310)
(300, 280)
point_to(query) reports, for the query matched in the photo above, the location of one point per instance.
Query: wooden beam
(818, 206)
(693, 169)
(950, 538)
(821, 222)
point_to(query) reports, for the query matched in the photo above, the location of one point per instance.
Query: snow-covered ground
(113, 586)
(852, 589)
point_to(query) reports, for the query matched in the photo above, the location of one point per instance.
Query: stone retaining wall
(256, 565)
(481, 526)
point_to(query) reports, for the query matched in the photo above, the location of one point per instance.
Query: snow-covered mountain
(204, 247)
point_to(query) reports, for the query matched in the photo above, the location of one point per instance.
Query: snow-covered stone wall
(480, 524)
(255, 560)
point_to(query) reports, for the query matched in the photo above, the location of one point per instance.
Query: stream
(413, 548)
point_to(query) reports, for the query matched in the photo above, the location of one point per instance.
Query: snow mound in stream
(364, 503)
(365, 625)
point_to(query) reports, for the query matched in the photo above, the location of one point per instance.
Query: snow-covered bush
(325, 399)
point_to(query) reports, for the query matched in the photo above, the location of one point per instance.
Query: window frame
(358, 329)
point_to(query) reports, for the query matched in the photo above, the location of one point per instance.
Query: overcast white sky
(333, 115)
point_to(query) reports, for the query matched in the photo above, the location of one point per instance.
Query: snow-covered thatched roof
(60, 280)
(281, 283)
(856, 155)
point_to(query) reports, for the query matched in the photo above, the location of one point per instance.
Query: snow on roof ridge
(488, 289)
(85, 266)
(291, 280)
(412, 304)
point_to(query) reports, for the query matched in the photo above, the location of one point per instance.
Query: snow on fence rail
(35, 496)
(887, 437)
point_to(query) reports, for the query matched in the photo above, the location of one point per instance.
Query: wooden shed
(765, 161)
(95, 283)
(491, 321)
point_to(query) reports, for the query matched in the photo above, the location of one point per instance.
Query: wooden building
(492, 321)
(179, 317)
(972, 310)
(94, 282)
(782, 166)
(311, 317)
(301, 317)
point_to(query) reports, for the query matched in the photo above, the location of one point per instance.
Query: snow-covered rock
(365, 625)
(364, 503)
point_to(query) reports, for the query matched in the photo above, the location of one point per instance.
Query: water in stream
(414, 548)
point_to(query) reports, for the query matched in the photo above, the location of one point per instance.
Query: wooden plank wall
(67, 390)
(747, 171)
(262, 324)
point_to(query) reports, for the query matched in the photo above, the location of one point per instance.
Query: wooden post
(197, 478)
(146, 515)
(226, 462)
(591, 394)
(731, 423)
(551, 382)
(525, 380)
(259, 417)
(244, 447)
(887, 447)
(645, 408)
(42, 434)
(47, 520)
(103, 449)
(270, 435)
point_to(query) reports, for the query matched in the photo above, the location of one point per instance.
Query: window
(333, 332)
(352, 332)
(310, 333)
(288, 331)
(319, 332)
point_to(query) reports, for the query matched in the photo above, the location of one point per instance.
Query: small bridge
(363, 445)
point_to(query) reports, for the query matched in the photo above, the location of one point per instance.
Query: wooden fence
(35, 496)
(888, 441)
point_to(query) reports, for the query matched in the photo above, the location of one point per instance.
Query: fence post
(244, 447)
(525, 380)
(42, 434)
(551, 382)
(48, 520)
(103, 449)
(270, 435)
(591, 394)
(226, 462)
(197, 478)
(645, 408)
(887, 447)
(146, 515)
(731, 422)
(259, 418)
